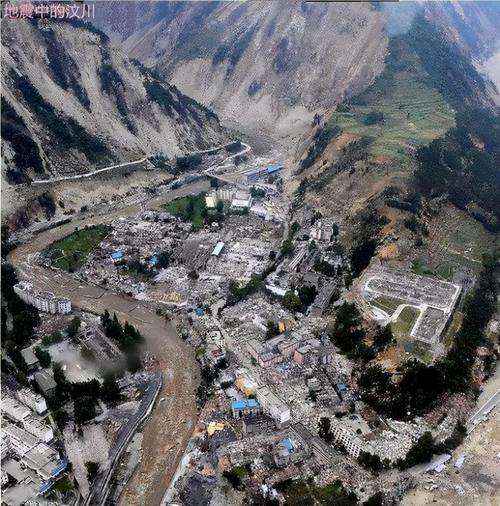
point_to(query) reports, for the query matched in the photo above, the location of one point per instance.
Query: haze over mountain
(271, 65)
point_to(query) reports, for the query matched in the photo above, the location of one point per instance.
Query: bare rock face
(73, 103)
(267, 65)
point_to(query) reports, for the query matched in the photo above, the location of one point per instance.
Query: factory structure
(42, 300)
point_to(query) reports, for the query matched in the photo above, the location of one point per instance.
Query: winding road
(168, 429)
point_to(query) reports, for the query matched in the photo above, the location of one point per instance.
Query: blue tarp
(154, 260)
(116, 255)
(199, 311)
(274, 167)
(287, 443)
(244, 403)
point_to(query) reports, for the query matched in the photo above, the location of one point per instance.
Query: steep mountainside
(272, 65)
(269, 65)
(71, 103)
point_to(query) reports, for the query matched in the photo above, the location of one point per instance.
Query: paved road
(483, 411)
(170, 425)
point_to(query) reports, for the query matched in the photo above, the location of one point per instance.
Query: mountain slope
(72, 103)
(268, 65)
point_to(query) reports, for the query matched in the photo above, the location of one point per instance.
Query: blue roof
(274, 167)
(218, 248)
(116, 255)
(287, 443)
(243, 403)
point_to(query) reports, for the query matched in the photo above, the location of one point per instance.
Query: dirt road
(169, 427)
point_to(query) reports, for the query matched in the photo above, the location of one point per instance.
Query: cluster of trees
(322, 137)
(23, 317)
(464, 166)
(374, 117)
(237, 292)
(127, 336)
(84, 395)
(420, 385)
(186, 163)
(26, 152)
(373, 462)
(65, 130)
(368, 225)
(426, 446)
(63, 68)
(348, 334)
(299, 299)
(233, 51)
(236, 475)
(305, 492)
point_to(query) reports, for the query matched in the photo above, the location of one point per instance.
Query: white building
(39, 457)
(43, 301)
(241, 200)
(273, 406)
(33, 400)
(14, 409)
(38, 429)
(351, 443)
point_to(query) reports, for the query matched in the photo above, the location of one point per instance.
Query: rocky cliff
(72, 103)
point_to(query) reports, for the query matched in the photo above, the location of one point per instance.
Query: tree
(92, 470)
(272, 329)
(192, 274)
(421, 451)
(325, 429)
(110, 391)
(43, 356)
(84, 409)
(292, 301)
(73, 327)
(383, 337)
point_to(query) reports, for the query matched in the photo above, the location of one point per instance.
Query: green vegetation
(463, 165)
(191, 208)
(322, 137)
(63, 68)
(403, 324)
(425, 447)
(26, 152)
(236, 475)
(71, 252)
(419, 384)
(386, 303)
(400, 111)
(449, 69)
(233, 51)
(306, 493)
(186, 163)
(64, 485)
(418, 267)
(66, 132)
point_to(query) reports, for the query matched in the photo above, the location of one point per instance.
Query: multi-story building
(14, 409)
(349, 441)
(34, 454)
(42, 300)
(33, 400)
(38, 429)
(273, 406)
(242, 407)
(45, 383)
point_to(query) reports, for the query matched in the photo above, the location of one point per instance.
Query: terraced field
(414, 114)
